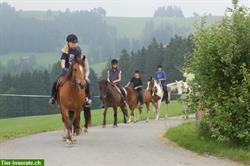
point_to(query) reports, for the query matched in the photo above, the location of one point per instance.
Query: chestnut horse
(111, 97)
(71, 97)
(157, 94)
(132, 100)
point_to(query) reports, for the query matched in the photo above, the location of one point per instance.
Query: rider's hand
(64, 70)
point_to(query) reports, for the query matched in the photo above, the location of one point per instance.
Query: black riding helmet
(72, 38)
(114, 62)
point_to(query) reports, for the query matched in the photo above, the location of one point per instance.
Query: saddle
(121, 93)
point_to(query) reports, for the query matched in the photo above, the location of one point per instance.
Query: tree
(221, 64)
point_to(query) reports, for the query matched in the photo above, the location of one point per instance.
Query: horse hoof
(69, 142)
(115, 126)
(103, 126)
(85, 130)
(64, 138)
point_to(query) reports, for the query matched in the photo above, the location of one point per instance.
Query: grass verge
(187, 136)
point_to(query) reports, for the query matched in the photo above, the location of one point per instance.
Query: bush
(221, 64)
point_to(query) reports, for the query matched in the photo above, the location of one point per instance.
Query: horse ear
(83, 57)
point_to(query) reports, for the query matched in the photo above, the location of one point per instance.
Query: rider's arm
(128, 84)
(119, 79)
(86, 64)
(164, 76)
(137, 87)
(63, 60)
(108, 76)
(62, 63)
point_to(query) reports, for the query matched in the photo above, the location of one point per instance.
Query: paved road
(137, 144)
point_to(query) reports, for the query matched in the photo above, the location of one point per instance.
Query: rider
(115, 76)
(138, 87)
(69, 52)
(161, 77)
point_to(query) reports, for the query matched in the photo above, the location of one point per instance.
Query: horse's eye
(75, 69)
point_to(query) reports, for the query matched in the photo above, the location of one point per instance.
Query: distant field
(131, 27)
(17, 127)
(98, 67)
(42, 59)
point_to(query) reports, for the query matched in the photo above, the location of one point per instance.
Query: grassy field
(186, 135)
(42, 59)
(133, 27)
(98, 67)
(17, 127)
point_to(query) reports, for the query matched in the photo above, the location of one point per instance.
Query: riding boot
(53, 93)
(88, 99)
(166, 95)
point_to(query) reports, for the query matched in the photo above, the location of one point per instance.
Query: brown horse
(111, 97)
(71, 97)
(132, 100)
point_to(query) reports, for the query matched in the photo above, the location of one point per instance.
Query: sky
(128, 8)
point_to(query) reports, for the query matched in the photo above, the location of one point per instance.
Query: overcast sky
(128, 8)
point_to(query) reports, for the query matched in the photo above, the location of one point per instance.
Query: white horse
(157, 93)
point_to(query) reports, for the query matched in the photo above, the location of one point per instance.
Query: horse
(111, 97)
(132, 100)
(156, 93)
(184, 90)
(71, 97)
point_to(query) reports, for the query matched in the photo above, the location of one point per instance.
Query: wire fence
(16, 105)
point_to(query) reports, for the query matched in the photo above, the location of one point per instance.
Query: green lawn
(17, 127)
(186, 135)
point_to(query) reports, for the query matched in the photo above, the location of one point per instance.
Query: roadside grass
(187, 136)
(17, 127)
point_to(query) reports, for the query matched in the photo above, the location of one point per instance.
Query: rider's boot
(52, 100)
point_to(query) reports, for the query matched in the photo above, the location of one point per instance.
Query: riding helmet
(72, 38)
(159, 66)
(114, 62)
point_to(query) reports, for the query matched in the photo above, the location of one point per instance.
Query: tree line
(146, 60)
(169, 11)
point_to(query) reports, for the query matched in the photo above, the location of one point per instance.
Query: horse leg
(77, 128)
(71, 117)
(131, 115)
(124, 111)
(115, 117)
(68, 125)
(104, 117)
(139, 113)
(158, 110)
(147, 106)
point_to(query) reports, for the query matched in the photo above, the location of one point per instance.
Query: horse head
(77, 73)
(151, 85)
(182, 87)
(104, 90)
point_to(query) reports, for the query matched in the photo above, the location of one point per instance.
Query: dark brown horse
(71, 97)
(111, 97)
(132, 100)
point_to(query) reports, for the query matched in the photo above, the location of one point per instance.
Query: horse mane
(105, 84)
(70, 71)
